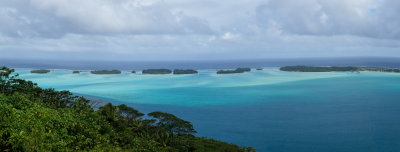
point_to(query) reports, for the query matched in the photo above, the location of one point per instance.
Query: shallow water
(271, 110)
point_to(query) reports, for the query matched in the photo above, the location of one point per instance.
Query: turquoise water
(271, 110)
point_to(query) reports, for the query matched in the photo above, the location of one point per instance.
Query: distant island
(43, 119)
(106, 72)
(335, 69)
(157, 71)
(379, 69)
(188, 71)
(76, 72)
(133, 71)
(238, 70)
(259, 69)
(40, 71)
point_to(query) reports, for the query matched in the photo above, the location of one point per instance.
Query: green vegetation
(76, 72)
(335, 69)
(259, 69)
(106, 72)
(157, 71)
(317, 69)
(40, 71)
(378, 69)
(238, 70)
(188, 71)
(36, 119)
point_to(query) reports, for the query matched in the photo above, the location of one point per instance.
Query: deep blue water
(331, 115)
(270, 110)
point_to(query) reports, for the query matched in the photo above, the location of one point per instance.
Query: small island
(335, 69)
(379, 69)
(76, 72)
(238, 70)
(259, 69)
(106, 72)
(188, 71)
(40, 71)
(133, 71)
(157, 71)
(41, 119)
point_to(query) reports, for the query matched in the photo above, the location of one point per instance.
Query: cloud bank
(365, 18)
(198, 29)
(49, 18)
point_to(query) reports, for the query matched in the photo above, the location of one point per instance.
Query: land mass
(238, 70)
(106, 72)
(37, 119)
(336, 69)
(188, 71)
(40, 71)
(157, 71)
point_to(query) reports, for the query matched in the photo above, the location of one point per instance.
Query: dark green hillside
(37, 119)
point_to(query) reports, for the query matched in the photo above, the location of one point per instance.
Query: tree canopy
(237, 70)
(37, 119)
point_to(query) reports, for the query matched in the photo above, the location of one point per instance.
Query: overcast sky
(198, 29)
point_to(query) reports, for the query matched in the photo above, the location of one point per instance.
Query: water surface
(273, 111)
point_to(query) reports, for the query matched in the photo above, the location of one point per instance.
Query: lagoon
(272, 110)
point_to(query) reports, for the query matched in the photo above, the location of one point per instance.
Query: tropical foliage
(187, 71)
(157, 71)
(40, 71)
(106, 72)
(37, 119)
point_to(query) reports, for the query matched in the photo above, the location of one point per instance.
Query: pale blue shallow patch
(271, 110)
(206, 88)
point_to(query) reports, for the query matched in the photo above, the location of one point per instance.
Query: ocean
(271, 110)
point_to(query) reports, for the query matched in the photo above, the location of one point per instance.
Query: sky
(140, 30)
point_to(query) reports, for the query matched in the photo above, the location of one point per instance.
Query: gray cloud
(198, 29)
(49, 18)
(366, 18)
